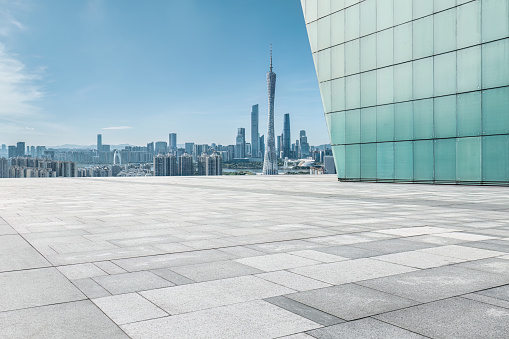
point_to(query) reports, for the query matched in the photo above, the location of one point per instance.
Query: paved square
(251, 257)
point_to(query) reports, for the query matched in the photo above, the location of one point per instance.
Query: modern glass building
(414, 90)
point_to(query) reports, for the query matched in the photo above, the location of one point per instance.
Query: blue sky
(138, 70)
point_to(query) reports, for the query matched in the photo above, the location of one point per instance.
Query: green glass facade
(414, 90)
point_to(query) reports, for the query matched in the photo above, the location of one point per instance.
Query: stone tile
(393, 245)
(171, 276)
(291, 280)
(492, 265)
(462, 252)
(90, 288)
(318, 256)
(109, 267)
(275, 262)
(283, 246)
(193, 297)
(215, 270)
(234, 321)
(17, 254)
(297, 336)
(81, 271)
(493, 245)
(452, 318)
(435, 240)
(73, 320)
(436, 283)
(173, 247)
(305, 311)
(465, 236)
(131, 282)
(501, 292)
(343, 272)
(350, 301)
(36, 287)
(103, 254)
(128, 308)
(414, 231)
(367, 328)
(487, 300)
(349, 252)
(418, 259)
(242, 251)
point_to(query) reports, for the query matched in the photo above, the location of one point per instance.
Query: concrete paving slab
(131, 282)
(17, 254)
(462, 252)
(276, 262)
(291, 280)
(305, 311)
(349, 252)
(418, 259)
(90, 288)
(81, 271)
(318, 256)
(215, 270)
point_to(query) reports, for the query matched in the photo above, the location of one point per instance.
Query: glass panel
(368, 15)
(495, 161)
(402, 11)
(368, 53)
(495, 65)
(313, 36)
(423, 160)
(445, 117)
(353, 161)
(384, 18)
(423, 36)
(468, 160)
(403, 43)
(368, 124)
(352, 51)
(445, 74)
(445, 31)
(338, 95)
(422, 8)
(404, 121)
(495, 111)
(324, 67)
(339, 160)
(440, 5)
(323, 8)
(469, 114)
(423, 78)
(385, 48)
(403, 82)
(352, 22)
(337, 27)
(338, 61)
(337, 125)
(324, 33)
(368, 161)
(353, 91)
(311, 10)
(445, 159)
(469, 69)
(495, 19)
(353, 126)
(385, 160)
(404, 160)
(469, 24)
(423, 119)
(325, 91)
(368, 89)
(385, 123)
(337, 5)
(385, 85)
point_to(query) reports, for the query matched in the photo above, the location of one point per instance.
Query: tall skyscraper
(189, 146)
(270, 158)
(262, 144)
(165, 165)
(21, 148)
(255, 136)
(304, 145)
(286, 137)
(185, 165)
(172, 145)
(12, 151)
(150, 148)
(240, 146)
(99, 142)
(161, 147)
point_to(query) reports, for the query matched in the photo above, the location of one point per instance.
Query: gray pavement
(251, 257)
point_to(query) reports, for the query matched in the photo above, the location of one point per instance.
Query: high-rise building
(99, 143)
(4, 168)
(240, 146)
(262, 144)
(270, 158)
(161, 147)
(172, 145)
(255, 136)
(279, 145)
(185, 164)
(165, 165)
(150, 148)
(20, 149)
(189, 146)
(286, 137)
(414, 91)
(304, 145)
(328, 164)
(214, 164)
(12, 152)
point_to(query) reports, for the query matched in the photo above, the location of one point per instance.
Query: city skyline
(131, 88)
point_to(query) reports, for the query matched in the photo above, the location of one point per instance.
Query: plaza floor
(251, 257)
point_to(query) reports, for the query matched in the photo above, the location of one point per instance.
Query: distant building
(21, 149)
(262, 145)
(25, 167)
(255, 136)
(172, 145)
(99, 143)
(185, 165)
(328, 164)
(210, 164)
(304, 145)
(286, 137)
(12, 152)
(4, 168)
(150, 148)
(161, 147)
(240, 146)
(189, 146)
(165, 165)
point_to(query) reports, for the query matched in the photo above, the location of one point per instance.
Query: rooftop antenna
(271, 58)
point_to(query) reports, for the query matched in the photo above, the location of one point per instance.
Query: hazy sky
(137, 70)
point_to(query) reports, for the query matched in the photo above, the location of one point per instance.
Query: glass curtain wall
(414, 90)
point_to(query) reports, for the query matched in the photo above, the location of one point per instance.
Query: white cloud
(118, 127)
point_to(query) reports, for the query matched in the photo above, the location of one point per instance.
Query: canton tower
(270, 159)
